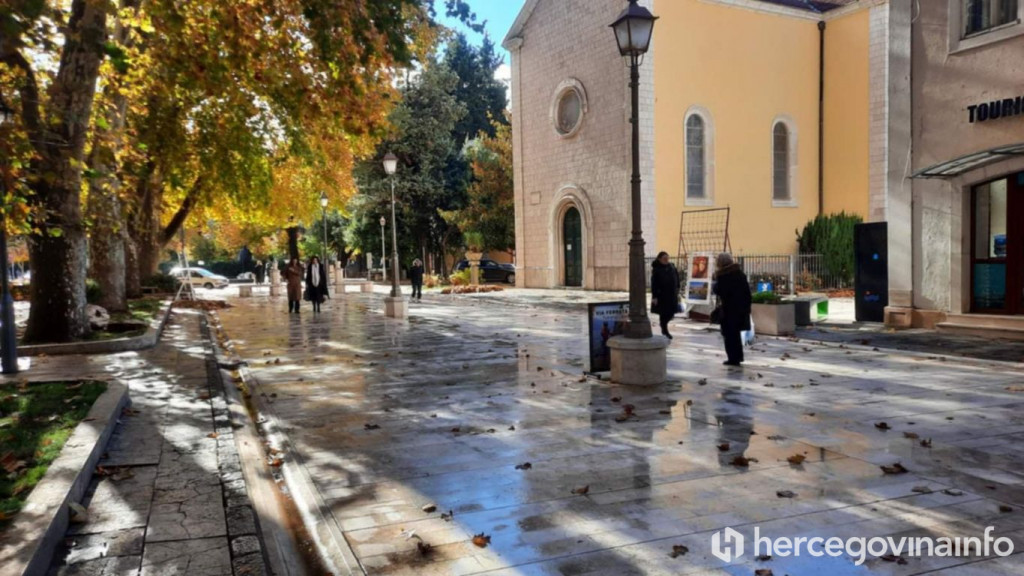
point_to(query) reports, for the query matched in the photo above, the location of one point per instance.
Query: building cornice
(513, 40)
(769, 8)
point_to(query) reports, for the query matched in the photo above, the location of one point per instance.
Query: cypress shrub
(832, 237)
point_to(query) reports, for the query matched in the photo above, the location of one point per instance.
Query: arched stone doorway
(572, 246)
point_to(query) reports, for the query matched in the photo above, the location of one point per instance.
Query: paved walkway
(481, 411)
(168, 497)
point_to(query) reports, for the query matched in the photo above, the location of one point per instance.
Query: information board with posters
(605, 320)
(698, 281)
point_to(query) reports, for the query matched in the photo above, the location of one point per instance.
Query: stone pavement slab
(167, 497)
(447, 408)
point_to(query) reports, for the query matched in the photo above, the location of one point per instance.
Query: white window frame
(794, 165)
(959, 42)
(709, 157)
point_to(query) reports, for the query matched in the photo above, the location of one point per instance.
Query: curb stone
(43, 521)
(248, 556)
(143, 342)
(334, 550)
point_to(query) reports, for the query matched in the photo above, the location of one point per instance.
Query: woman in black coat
(664, 291)
(733, 291)
(316, 283)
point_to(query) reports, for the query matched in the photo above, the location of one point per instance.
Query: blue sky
(499, 14)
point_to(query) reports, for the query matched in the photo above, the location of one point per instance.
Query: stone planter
(474, 267)
(774, 319)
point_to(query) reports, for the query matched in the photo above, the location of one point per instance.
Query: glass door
(997, 254)
(572, 236)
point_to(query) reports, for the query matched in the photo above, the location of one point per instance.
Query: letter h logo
(728, 548)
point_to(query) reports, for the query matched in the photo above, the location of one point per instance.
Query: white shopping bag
(748, 335)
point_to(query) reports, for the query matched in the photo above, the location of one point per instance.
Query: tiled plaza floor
(391, 416)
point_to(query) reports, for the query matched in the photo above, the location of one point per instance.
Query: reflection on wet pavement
(440, 410)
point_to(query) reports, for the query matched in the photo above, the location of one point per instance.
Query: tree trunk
(293, 242)
(58, 245)
(108, 235)
(146, 223)
(132, 278)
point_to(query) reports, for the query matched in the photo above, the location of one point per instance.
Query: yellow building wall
(748, 68)
(847, 114)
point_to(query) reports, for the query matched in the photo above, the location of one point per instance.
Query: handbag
(716, 315)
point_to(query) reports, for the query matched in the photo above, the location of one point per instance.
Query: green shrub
(832, 237)
(460, 278)
(93, 292)
(164, 283)
(766, 298)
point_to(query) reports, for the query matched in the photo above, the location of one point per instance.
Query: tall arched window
(780, 169)
(784, 162)
(696, 158)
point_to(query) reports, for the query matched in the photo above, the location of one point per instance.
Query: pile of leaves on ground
(35, 422)
(202, 304)
(471, 289)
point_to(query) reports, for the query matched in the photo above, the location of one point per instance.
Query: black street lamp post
(8, 339)
(383, 250)
(391, 166)
(327, 266)
(633, 30)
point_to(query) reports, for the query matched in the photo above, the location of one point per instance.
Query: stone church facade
(571, 144)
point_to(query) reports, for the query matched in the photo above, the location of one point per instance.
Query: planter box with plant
(772, 315)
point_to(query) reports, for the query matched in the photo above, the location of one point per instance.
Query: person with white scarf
(316, 283)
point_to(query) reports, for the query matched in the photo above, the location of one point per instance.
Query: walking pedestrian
(260, 272)
(733, 291)
(293, 277)
(416, 278)
(664, 291)
(316, 283)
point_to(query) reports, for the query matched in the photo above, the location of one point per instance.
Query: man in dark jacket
(416, 279)
(733, 292)
(664, 291)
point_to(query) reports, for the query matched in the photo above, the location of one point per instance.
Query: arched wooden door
(572, 239)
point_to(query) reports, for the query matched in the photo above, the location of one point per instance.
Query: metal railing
(781, 273)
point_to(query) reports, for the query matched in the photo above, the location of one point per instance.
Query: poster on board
(605, 320)
(698, 282)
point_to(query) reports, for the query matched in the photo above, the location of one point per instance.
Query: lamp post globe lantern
(391, 167)
(633, 30)
(8, 339)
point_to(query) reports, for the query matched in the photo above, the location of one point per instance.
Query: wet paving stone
(443, 409)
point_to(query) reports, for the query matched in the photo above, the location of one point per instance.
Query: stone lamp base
(396, 307)
(639, 361)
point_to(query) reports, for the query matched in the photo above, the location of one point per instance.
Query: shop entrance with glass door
(997, 252)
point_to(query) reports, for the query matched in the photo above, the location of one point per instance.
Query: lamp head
(390, 164)
(633, 29)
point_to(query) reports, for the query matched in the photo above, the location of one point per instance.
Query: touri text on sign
(996, 109)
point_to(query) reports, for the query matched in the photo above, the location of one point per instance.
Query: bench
(809, 309)
(364, 285)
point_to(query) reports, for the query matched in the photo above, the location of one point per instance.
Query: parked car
(200, 277)
(491, 271)
(245, 277)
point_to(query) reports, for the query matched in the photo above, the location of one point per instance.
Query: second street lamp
(394, 305)
(383, 250)
(327, 268)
